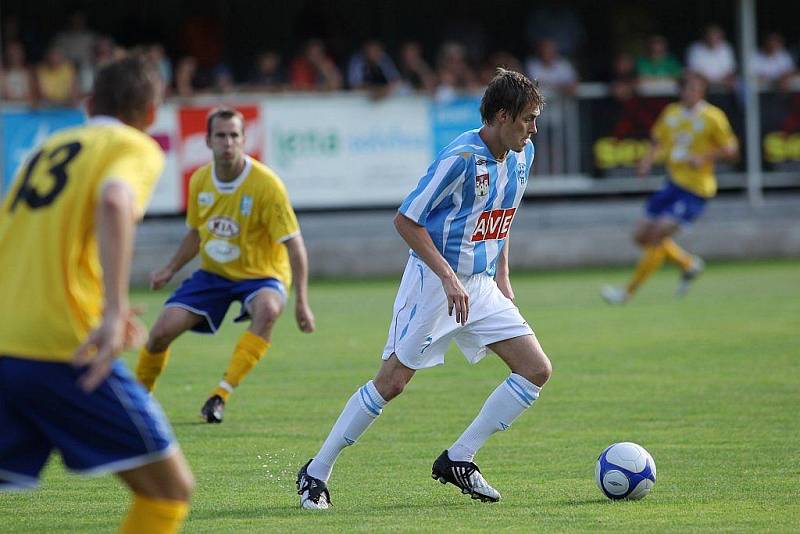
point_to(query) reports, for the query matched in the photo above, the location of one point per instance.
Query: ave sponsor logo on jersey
(481, 178)
(224, 227)
(493, 224)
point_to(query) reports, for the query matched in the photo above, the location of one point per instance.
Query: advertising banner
(780, 130)
(453, 117)
(168, 195)
(615, 133)
(347, 151)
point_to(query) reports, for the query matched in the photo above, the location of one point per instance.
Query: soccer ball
(625, 471)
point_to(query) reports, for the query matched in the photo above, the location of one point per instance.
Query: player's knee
(538, 370)
(265, 315)
(390, 387)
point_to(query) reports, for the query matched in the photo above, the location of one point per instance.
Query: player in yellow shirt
(242, 224)
(66, 239)
(691, 135)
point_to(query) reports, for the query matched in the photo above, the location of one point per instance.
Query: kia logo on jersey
(493, 224)
(223, 227)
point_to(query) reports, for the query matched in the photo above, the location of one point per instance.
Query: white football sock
(507, 402)
(360, 411)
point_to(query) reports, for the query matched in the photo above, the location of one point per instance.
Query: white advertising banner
(347, 150)
(167, 197)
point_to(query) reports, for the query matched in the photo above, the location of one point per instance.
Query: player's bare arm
(418, 238)
(728, 152)
(646, 163)
(119, 328)
(298, 260)
(502, 276)
(187, 250)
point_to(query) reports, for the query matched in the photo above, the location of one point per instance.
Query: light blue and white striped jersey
(467, 201)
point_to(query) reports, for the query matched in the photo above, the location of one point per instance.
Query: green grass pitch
(710, 385)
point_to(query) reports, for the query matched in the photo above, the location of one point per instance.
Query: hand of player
(114, 335)
(698, 161)
(457, 298)
(305, 318)
(159, 278)
(504, 284)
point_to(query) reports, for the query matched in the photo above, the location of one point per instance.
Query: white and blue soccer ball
(625, 471)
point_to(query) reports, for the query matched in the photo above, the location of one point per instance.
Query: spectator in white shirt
(554, 73)
(713, 58)
(773, 65)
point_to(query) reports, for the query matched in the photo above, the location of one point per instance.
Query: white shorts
(421, 331)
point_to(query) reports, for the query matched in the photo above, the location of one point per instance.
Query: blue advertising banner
(452, 117)
(22, 130)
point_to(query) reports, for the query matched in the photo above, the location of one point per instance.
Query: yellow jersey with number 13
(243, 224)
(51, 288)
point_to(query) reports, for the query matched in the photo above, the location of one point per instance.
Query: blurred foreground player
(692, 134)
(242, 224)
(456, 287)
(66, 239)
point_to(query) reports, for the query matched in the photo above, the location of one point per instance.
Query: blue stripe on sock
(526, 397)
(374, 402)
(368, 402)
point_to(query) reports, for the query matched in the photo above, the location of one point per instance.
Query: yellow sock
(150, 366)
(248, 351)
(154, 516)
(650, 261)
(676, 254)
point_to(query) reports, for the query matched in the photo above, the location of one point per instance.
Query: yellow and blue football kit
(50, 299)
(684, 133)
(243, 225)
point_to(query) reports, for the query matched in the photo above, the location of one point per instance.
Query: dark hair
(509, 91)
(125, 87)
(222, 113)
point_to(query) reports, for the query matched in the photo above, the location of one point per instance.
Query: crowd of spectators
(66, 69)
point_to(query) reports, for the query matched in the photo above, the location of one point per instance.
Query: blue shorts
(676, 203)
(116, 427)
(211, 295)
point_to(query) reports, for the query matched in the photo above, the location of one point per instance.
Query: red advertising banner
(193, 150)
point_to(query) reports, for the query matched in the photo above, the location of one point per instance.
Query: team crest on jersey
(223, 227)
(522, 176)
(481, 178)
(246, 206)
(205, 199)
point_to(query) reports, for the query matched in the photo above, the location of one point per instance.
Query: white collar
(230, 187)
(104, 120)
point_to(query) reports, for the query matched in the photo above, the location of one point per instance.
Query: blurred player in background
(66, 240)
(692, 135)
(243, 226)
(456, 287)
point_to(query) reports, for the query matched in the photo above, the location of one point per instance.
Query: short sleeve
(442, 178)
(138, 164)
(281, 220)
(721, 131)
(660, 132)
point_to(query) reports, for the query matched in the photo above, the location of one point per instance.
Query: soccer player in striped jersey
(692, 134)
(245, 230)
(456, 288)
(66, 240)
